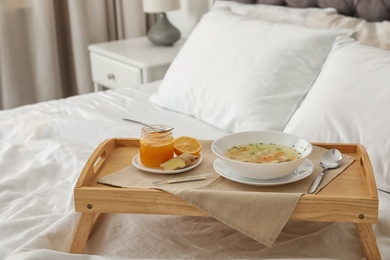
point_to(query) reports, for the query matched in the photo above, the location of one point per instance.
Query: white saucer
(303, 171)
(137, 164)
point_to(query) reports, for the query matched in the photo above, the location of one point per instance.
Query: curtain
(44, 44)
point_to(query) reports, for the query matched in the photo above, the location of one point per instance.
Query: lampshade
(160, 6)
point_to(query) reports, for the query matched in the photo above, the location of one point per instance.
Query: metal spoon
(330, 160)
(154, 128)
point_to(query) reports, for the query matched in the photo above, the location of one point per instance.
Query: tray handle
(94, 162)
(368, 173)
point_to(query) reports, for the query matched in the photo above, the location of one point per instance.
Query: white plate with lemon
(182, 146)
(137, 164)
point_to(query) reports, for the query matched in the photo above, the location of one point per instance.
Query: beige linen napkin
(259, 212)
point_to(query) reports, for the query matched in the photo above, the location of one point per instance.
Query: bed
(317, 69)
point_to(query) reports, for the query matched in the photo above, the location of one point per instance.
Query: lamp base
(163, 32)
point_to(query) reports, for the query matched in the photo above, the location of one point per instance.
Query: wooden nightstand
(131, 62)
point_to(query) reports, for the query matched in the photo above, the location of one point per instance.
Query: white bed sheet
(43, 148)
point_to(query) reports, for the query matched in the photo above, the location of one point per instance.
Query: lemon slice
(186, 144)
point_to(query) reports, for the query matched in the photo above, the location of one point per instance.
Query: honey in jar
(155, 147)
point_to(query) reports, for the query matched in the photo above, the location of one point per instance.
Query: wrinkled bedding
(43, 148)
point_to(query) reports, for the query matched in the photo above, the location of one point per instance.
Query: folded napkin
(259, 212)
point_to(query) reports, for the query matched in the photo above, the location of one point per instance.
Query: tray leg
(84, 227)
(368, 240)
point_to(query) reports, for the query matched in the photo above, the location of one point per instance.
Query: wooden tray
(351, 197)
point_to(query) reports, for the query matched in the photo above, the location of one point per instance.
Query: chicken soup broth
(262, 153)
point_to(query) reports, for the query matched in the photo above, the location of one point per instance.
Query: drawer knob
(111, 76)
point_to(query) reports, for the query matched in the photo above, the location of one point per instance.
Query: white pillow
(350, 102)
(242, 74)
(272, 13)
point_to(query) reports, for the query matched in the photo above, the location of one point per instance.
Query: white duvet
(43, 148)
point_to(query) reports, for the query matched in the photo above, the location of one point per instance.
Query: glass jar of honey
(155, 147)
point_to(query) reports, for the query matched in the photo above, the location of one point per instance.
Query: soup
(262, 153)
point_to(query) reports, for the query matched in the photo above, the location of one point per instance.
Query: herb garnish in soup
(262, 153)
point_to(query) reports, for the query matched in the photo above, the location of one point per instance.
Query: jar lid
(157, 128)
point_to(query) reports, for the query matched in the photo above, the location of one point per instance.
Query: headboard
(369, 10)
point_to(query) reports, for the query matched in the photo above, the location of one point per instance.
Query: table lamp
(163, 32)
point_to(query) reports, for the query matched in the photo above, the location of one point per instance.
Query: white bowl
(256, 170)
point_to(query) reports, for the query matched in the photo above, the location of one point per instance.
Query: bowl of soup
(261, 155)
